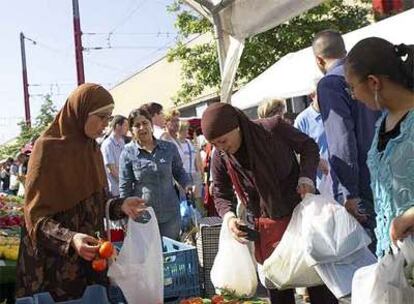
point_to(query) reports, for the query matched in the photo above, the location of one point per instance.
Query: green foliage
(42, 121)
(200, 68)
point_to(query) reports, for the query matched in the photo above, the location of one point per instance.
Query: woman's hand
(238, 235)
(85, 246)
(402, 226)
(133, 206)
(303, 189)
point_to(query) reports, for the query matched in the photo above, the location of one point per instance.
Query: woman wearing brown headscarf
(65, 200)
(257, 161)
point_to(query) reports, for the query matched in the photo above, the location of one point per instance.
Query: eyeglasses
(104, 117)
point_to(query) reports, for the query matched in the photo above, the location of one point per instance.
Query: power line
(157, 34)
(51, 84)
(99, 48)
(133, 11)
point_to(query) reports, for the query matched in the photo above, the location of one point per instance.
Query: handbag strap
(236, 182)
(191, 161)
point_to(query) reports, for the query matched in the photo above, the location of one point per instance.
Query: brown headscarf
(218, 119)
(65, 166)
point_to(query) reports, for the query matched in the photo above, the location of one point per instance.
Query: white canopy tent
(295, 74)
(236, 20)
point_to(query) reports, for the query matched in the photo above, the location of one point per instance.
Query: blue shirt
(309, 121)
(349, 127)
(111, 149)
(392, 179)
(151, 176)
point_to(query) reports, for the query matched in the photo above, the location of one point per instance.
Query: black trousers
(318, 295)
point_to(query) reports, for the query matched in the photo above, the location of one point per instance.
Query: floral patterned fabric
(392, 179)
(53, 266)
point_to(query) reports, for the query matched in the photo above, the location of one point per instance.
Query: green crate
(7, 271)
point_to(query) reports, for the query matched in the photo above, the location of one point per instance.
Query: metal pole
(78, 43)
(25, 83)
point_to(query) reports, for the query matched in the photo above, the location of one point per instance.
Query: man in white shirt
(111, 150)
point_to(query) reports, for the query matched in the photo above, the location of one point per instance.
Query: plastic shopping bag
(325, 185)
(190, 216)
(287, 266)
(138, 269)
(338, 276)
(331, 233)
(385, 281)
(233, 268)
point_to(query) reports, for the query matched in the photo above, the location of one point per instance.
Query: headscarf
(66, 166)
(220, 118)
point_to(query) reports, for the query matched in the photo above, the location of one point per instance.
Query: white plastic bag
(138, 269)
(287, 266)
(331, 234)
(338, 276)
(384, 282)
(336, 244)
(325, 185)
(233, 268)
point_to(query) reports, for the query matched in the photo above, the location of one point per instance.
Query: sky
(142, 31)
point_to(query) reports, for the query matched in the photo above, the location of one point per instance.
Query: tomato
(106, 250)
(99, 264)
(216, 299)
(192, 301)
(195, 301)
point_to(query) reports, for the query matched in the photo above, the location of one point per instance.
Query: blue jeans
(171, 228)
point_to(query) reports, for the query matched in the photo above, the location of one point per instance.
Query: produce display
(11, 211)
(9, 244)
(11, 218)
(226, 297)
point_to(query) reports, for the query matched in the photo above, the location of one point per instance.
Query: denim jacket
(151, 176)
(392, 179)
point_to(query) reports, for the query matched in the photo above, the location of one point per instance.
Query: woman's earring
(376, 100)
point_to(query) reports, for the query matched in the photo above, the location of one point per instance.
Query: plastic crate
(115, 295)
(7, 271)
(207, 248)
(93, 294)
(181, 273)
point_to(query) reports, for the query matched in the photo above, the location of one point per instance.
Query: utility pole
(25, 83)
(78, 43)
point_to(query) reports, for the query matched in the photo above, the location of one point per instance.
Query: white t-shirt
(188, 154)
(158, 131)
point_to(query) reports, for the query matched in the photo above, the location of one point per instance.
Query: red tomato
(106, 250)
(99, 265)
(216, 299)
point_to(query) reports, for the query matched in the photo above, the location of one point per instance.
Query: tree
(46, 115)
(200, 68)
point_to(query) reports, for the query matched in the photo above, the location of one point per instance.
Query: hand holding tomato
(85, 246)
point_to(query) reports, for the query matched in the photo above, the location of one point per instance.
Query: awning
(294, 74)
(236, 20)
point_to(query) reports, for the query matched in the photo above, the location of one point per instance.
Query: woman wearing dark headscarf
(65, 200)
(381, 75)
(258, 160)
